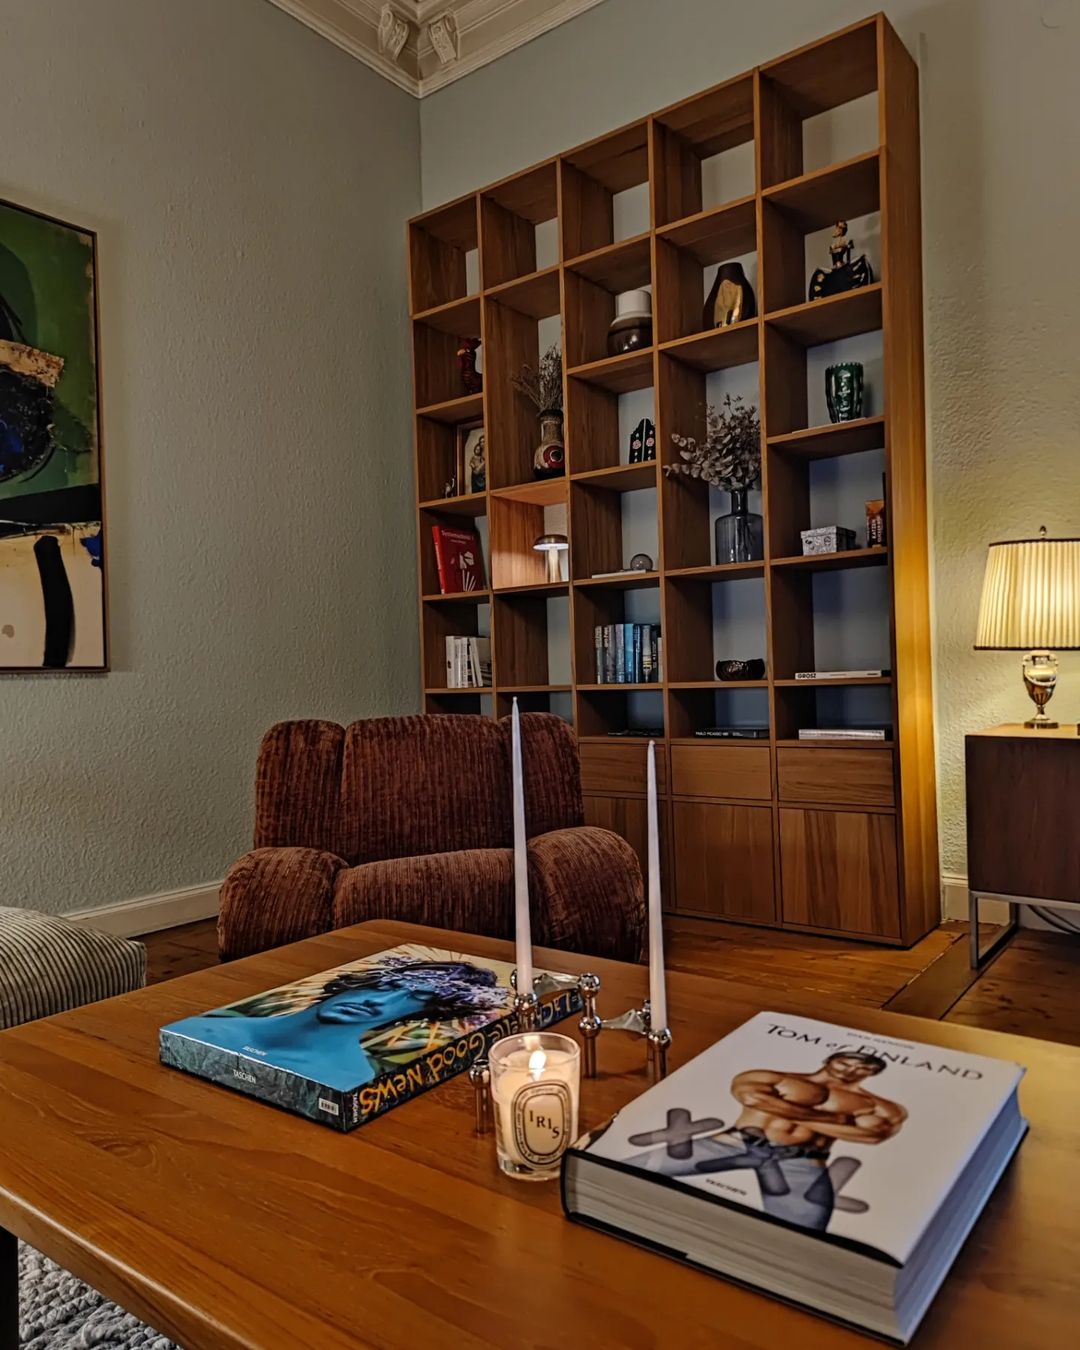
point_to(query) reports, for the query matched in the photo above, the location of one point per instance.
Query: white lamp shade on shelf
(1031, 596)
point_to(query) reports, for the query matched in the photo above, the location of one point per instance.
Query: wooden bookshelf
(830, 836)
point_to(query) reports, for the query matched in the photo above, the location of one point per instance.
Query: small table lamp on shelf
(1031, 604)
(553, 545)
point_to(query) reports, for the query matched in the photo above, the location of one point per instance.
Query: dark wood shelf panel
(623, 266)
(717, 684)
(620, 477)
(836, 744)
(828, 684)
(716, 571)
(534, 688)
(832, 562)
(736, 345)
(618, 160)
(459, 318)
(723, 740)
(468, 504)
(458, 597)
(454, 410)
(533, 195)
(535, 588)
(618, 374)
(829, 442)
(464, 689)
(841, 191)
(656, 687)
(628, 581)
(824, 74)
(712, 236)
(538, 295)
(840, 316)
(541, 492)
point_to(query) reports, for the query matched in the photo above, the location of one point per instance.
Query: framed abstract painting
(52, 529)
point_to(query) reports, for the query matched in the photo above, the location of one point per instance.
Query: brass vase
(550, 458)
(731, 299)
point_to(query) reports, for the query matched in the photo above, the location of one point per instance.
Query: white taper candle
(522, 926)
(657, 991)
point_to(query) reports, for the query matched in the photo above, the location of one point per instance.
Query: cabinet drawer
(619, 767)
(836, 777)
(838, 870)
(721, 771)
(724, 860)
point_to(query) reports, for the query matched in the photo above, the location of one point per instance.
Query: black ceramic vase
(844, 391)
(731, 298)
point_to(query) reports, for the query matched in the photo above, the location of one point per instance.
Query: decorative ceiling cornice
(422, 45)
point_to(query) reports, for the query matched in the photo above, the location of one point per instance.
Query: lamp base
(1040, 680)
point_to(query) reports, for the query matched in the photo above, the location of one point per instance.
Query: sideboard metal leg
(978, 958)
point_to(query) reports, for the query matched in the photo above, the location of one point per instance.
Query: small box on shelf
(827, 539)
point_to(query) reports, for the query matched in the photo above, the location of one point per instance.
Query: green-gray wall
(1001, 205)
(249, 183)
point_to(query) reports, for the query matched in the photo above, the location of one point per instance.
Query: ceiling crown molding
(422, 45)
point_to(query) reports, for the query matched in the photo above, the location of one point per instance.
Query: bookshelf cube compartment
(512, 339)
(559, 702)
(796, 361)
(443, 248)
(694, 710)
(532, 642)
(456, 701)
(831, 620)
(804, 120)
(605, 190)
(436, 371)
(438, 516)
(839, 707)
(452, 618)
(604, 712)
(703, 150)
(518, 519)
(600, 606)
(798, 220)
(712, 620)
(515, 224)
(687, 259)
(808, 493)
(591, 290)
(600, 422)
(610, 527)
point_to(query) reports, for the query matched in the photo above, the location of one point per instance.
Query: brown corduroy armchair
(409, 818)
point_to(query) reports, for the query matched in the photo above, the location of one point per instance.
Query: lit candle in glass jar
(535, 1084)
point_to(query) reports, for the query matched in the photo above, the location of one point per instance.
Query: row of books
(629, 653)
(468, 662)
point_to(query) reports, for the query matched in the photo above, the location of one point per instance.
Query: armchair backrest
(395, 787)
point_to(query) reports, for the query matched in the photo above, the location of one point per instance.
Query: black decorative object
(731, 299)
(643, 442)
(631, 329)
(845, 275)
(641, 562)
(844, 391)
(753, 669)
(472, 382)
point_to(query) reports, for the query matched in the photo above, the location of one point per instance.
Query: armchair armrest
(272, 896)
(587, 893)
(470, 890)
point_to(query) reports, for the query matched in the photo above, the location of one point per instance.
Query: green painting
(52, 557)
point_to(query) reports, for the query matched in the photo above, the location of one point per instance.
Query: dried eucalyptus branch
(542, 386)
(729, 458)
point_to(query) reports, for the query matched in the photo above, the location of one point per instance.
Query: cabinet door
(627, 816)
(838, 870)
(723, 859)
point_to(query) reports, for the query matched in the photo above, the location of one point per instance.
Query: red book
(458, 557)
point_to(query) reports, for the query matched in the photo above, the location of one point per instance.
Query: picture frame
(53, 554)
(469, 441)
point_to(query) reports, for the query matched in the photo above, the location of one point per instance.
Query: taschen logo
(244, 1075)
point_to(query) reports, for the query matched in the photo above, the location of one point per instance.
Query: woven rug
(59, 1312)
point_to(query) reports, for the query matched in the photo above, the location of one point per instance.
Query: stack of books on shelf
(845, 733)
(468, 663)
(841, 674)
(629, 653)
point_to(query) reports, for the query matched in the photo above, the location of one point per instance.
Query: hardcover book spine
(628, 653)
(450, 657)
(440, 558)
(638, 673)
(609, 653)
(598, 638)
(620, 654)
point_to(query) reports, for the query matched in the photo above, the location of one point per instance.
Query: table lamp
(1031, 604)
(552, 545)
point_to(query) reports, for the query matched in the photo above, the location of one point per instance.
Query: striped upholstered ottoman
(48, 965)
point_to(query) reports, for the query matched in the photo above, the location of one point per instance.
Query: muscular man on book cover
(785, 1133)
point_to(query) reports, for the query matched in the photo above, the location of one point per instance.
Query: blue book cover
(628, 653)
(620, 655)
(345, 1045)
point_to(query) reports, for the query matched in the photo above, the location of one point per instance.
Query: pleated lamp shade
(1031, 596)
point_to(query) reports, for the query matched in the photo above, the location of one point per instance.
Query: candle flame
(537, 1060)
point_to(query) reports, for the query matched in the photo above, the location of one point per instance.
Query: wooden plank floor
(1032, 989)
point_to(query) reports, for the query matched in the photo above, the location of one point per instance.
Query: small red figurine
(472, 382)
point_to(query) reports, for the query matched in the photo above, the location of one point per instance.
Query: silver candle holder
(635, 1021)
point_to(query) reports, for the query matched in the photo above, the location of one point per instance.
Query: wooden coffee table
(227, 1224)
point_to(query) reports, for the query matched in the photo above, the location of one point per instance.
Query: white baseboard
(151, 913)
(954, 905)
